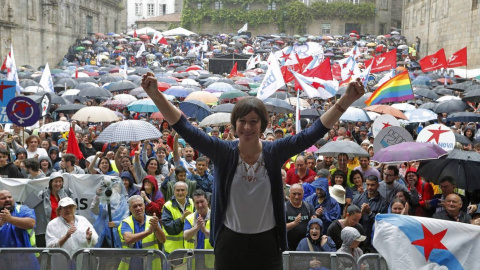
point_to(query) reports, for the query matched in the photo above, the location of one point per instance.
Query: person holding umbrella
(243, 239)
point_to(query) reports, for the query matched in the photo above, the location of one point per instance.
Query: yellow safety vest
(175, 242)
(149, 242)
(190, 244)
(31, 232)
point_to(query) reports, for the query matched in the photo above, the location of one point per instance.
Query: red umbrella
(193, 68)
(114, 70)
(91, 73)
(162, 86)
(279, 41)
(157, 116)
(442, 80)
(144, 37)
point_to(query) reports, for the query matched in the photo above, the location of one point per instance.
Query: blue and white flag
(314, 87)
(244, 28)
(46, 81)
(124, 71)
(273, 79)
(408, 242)
(140, 51)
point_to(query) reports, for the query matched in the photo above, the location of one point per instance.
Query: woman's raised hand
(149, 84)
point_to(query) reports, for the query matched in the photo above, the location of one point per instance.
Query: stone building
(161, 23)
(448, 24)
(41, 31)
(388, 14)
(149, 9)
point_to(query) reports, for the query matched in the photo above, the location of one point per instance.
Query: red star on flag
(436, 134)
(385, 125)
(350, 73)
(3, 87)
(21, 107)
(430, 241)
(344, 65)
(285, 56)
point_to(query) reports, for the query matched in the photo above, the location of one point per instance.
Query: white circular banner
(438, 134)
(391, 136)
(384, 121)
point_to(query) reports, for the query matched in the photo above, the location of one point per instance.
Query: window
(138, 9)
(325, 28)
(272, 6)
(150, 10)
(247, 6)
(433, 10)
(384, 5)
(199, 5)
(163, 8)
(89, 24)
(218, 5)
(355, 1)
(383, 29)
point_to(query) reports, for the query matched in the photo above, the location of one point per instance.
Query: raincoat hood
(21, 150)
(323, 184)
(349, 235)
(40, 159)
(320, 223)
(152, 180)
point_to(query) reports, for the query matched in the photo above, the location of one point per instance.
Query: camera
(107, 187)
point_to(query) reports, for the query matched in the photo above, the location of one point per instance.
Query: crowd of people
(247, 188)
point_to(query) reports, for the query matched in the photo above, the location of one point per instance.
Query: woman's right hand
(99, 154)
(149, 84)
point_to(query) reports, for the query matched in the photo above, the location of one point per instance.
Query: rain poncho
(331, 208)
(119, 206)
(349, 234)
(329, 246)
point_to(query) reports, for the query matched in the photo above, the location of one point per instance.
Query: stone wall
(448, 24)
(41, 31)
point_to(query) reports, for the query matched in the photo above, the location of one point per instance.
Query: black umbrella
(94, 92)
(341, 90)
(472, 95)
(428, 105)
(311, 113)
(70, 108)
(69, 82)
(121, 86)
(86, 79)
(28, 82)
(58, 100)
(426, 93)
(82, 86)
(281, 95)
(443, 91)
(360, 103)
(463, 117)
(451, 106)
(462, 139)
(459, 86)
(141, 71)
(472, 87)
(463, 166)
(107, 78)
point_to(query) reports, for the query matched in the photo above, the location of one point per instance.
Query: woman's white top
(250, 207)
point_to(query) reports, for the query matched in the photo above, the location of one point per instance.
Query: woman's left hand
(324, 240)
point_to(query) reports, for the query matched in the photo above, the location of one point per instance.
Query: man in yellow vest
(16, 230)
(140, 231)
(174, 213)
(196, 231)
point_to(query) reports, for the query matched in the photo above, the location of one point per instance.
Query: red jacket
(293, 178)
(424, 189)
(157, 200)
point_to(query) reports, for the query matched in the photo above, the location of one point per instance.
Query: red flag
(304, 62)
(322, 71)
(383, 62)
(458, 58)
(337, 71)
(76, 72)
(134, 33)
(5, 62)
(433, 61)
(163, 41)
(72, 147)
(234, 71)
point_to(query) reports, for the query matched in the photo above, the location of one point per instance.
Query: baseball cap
(56, 175)
(66, 202)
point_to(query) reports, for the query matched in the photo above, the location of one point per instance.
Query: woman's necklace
(251, 170)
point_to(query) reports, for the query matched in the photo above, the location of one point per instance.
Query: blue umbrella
(220, 87)
(178, 91)
(143, 105)
(195, 108)
(420, 115)
(355, 115)
(166, 80)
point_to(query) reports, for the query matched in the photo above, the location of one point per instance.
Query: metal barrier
(113, 258)
(35, 258)
(192, 259)
(372, 261)
(307, 260)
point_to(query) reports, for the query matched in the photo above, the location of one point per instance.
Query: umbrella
(403, 106)
(69, 108)
(178, 91)
(334, 148)
(216, 119)
(353, 114)
(28, 82)
(195, 108)
(143, 105)
(121, 86)
(278, 105)
(360, 103)
(428, 105)
(463, 166)
(385, 109)
(220, 87)
(58, 126)
(443, 91)
(464, 117)
(125, 97)
(115, 104)
(445, 98)
(227, 108)
(205, 97)
(281, 95)
(231, 95)
(472, 95)
(451, 106)
(425, 92)
(311, 113)
(137, 91)
(420, 115)
(95, 114)
(95, 92)
(408, 151)
(462, 139)
(129, 131)
(293, 101)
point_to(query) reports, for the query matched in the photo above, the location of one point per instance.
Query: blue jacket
(303, 245)
(331, 208)
(224, 155)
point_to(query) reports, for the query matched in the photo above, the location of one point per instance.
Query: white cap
(66, 202)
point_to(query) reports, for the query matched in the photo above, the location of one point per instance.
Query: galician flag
(11, 67)
(313, 87)
(244, 28)
(140, 51)
(408, 242)
(273, 79)
(46, 81)
(124, 71)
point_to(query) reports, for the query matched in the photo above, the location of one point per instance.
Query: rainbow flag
(396, 89)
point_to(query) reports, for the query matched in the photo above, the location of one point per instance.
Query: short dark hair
(353, 209)
(448, 179)
(396, 200)
(199, 193)
(355, 172)
(394, 169)
(247, 105)
(32, 163)
(372, 178)
(4, 151)
(162, 149)
(180, 169)
(70, 158)
(339, 173)
(109, 163)
(202, 159)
